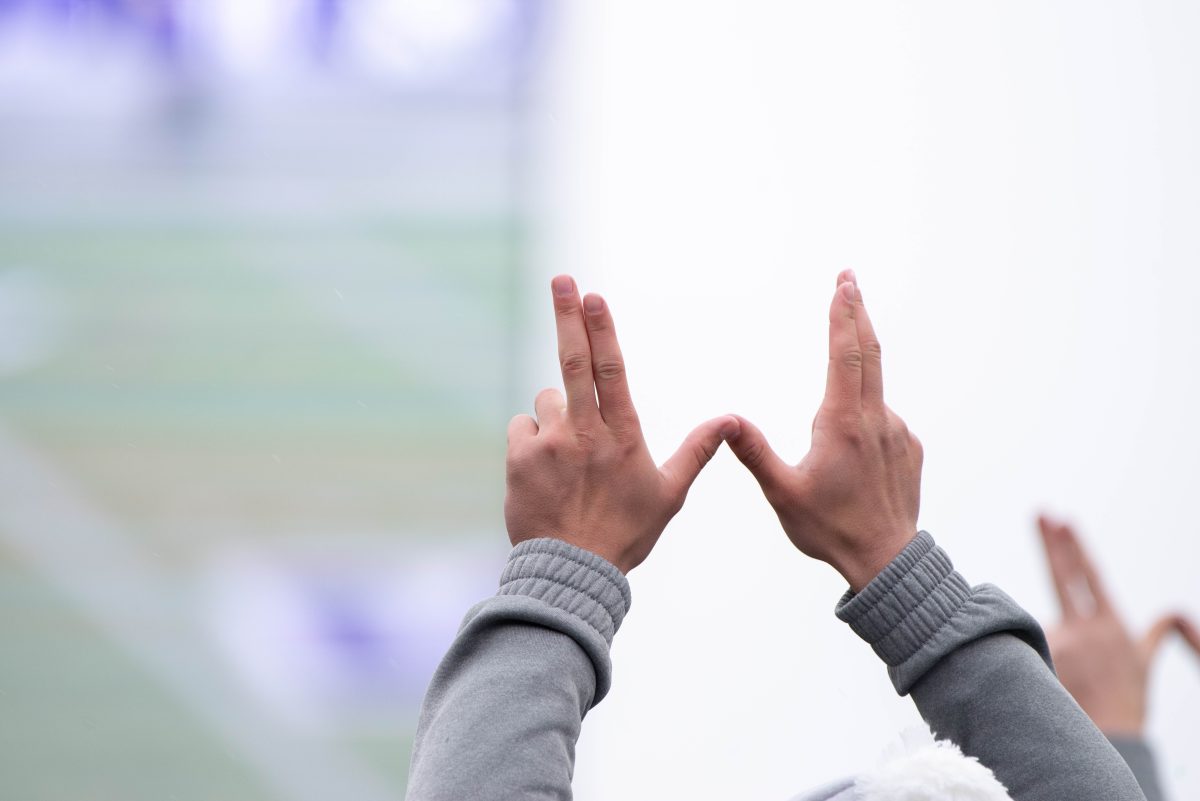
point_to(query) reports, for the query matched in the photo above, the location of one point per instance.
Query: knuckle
(850, 425)
(518, 461)
(852, 358)
(598, 322)
(605, 454)
(545, 394)
(872, 349)
(609, 369)
(626, 432)
(893, 435)
(707, 450)
(628, 424)
(612, 454)
(917, 448)
(899, 431)
(753, 454)
(585, 439)
(575, 363)
(548, 446)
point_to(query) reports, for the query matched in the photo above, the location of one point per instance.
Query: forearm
(977, 667)
(996, 698)
(504, 709)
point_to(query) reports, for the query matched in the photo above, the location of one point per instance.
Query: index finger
(574, 352)
(1061, 574)
(608, 365)
(843, 385)
(1090, 574)
(1076, 578)
(872, 355)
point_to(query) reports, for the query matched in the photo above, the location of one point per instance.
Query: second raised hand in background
(1100, 663)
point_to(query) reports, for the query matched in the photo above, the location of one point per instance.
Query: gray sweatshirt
(504, 709)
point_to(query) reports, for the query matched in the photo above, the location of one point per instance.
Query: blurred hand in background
(1098, 660)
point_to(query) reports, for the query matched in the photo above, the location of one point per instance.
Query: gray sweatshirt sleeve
(502, 714)
(978, 668)
(1140, 758)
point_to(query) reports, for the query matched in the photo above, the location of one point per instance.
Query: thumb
(697, 450)
(1153, 638)
(752, 449)
(1190, 633)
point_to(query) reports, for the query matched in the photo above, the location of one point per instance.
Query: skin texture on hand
(581, 472)
(852, 501)
(1100, 663)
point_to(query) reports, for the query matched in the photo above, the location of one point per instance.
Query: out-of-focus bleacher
(257, 330)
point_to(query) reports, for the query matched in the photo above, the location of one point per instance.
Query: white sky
(1017, 185)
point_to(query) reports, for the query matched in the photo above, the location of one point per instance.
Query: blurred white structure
(1016, 186)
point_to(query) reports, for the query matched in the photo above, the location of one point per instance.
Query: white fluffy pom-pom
(924, 769)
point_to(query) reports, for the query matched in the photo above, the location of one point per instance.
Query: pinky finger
(521, 427)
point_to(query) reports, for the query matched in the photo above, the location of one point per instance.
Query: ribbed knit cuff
(571, 579)
(906, 604)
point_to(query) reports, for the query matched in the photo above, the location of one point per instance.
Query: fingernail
(847, 290)
(853, 278)
(562, 285)
(593, 304)
(730, 428)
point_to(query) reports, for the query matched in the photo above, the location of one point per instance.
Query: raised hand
(581, 471)
(852, 501)
(1105, 668)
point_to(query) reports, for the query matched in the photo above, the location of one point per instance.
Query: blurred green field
(203, 373)
(219, 384)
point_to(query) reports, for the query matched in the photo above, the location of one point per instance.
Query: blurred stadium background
(257, 275)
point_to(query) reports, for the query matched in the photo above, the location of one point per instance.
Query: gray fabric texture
(1140, 758)
(503, 712)
(978, 667)
(504, 709)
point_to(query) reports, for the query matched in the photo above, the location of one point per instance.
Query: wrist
(861, 564)
(622, 559)
(1119, 724)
